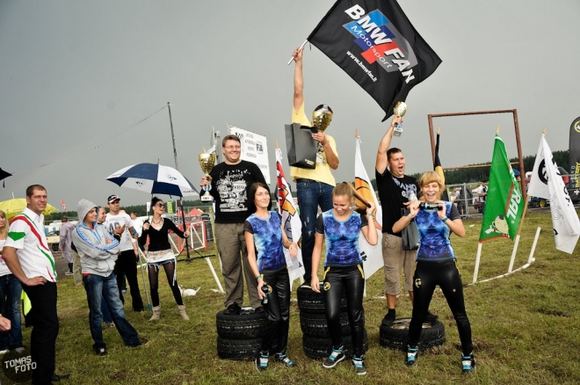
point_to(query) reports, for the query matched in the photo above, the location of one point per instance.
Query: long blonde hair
(4, 230)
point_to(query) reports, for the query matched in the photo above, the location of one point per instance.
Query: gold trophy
(206, 162)
(400, 109)
(321, 118)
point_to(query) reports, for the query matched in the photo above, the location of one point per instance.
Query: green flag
(504, 205)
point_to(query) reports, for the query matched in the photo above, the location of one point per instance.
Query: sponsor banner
(374, 42)
(254, 149)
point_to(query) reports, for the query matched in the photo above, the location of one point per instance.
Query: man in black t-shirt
(395, 189)
(229, 182)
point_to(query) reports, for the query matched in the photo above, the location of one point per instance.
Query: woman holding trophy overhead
(228, 183)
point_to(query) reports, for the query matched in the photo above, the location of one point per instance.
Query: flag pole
(299, 49)
(477, 261)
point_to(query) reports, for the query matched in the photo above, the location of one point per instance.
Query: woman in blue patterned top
(343, 270)
(264, 240)
(436, 220)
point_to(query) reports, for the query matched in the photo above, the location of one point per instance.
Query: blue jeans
(99, 289)
(311, 194)
(10, 293)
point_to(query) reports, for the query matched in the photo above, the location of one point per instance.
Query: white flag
(291, 223)
(547, 183)
(372, 256)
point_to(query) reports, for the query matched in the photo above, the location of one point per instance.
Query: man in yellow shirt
(314, 186)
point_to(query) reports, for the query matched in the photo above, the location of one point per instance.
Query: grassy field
(526, 329)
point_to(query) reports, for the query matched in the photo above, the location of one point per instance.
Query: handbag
(301, 148)
(410, 236)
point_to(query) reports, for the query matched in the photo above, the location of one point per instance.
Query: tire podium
(240, 335)
(395, 335)
(316, 341)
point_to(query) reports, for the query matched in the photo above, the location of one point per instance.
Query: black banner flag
(574, 152)
(374, 42)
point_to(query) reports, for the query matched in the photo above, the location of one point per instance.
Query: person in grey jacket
(98, 251)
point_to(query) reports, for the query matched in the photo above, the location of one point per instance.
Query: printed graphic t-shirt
(435, 244)
(393, 192)
(267, 239)
(229, 188)
(341, 238)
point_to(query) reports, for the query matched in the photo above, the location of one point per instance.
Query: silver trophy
(399, 110)
(206, 162)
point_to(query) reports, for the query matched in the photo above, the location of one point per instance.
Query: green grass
(525, 329)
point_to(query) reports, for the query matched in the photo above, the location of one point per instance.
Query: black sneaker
(359, 366)
(100, 350)
(259, 309)
(334, 358)
(467, 363)
(390, 317)
(411, 356)
(234, 308)
(283, 358)
(262, 361)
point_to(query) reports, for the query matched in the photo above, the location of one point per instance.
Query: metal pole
(180, 200)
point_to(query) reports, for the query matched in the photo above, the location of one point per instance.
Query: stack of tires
(316, 340)
(240, 335)
(395, 335)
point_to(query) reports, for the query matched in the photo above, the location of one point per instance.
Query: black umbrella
(4, 175)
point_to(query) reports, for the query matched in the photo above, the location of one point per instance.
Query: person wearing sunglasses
(159, 254)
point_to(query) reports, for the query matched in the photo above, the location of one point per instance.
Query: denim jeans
(311, 194)
(10, 293)
(99, 289)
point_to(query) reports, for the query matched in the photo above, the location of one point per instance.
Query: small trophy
(321, 118)
(206, 162)
(399, 110)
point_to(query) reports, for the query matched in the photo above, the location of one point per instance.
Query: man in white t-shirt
(119, 222)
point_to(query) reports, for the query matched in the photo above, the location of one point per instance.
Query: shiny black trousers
(346, 281)
(277, 311)
(445, 274)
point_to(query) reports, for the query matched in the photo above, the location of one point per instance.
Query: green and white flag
(504, 206)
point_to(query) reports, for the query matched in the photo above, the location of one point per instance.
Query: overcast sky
(78, 79)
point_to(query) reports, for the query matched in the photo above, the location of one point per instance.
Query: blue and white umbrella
(154, 179)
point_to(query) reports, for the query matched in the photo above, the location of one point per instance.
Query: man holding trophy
(395, 191)
(228, 183)
(314, 186)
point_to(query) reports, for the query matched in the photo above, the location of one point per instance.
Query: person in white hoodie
(98, 251)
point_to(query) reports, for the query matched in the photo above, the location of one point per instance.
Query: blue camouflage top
(341, 238)
(434, 233)
(267, 240)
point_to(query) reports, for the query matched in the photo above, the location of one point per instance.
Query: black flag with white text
(374, 42)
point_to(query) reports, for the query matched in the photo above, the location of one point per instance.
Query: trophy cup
(399, 110)
(321, 118)
(206, 162)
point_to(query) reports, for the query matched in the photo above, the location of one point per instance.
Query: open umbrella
(15, 206)
(153, 179)
(4, 175)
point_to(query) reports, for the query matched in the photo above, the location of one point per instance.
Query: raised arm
(382, 161)
(298, 79)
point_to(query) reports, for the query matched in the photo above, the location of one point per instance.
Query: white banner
(291, 223)
(254, 149)
(547, 183)
(372, 255)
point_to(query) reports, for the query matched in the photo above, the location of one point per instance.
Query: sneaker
(19, 349)
(262, 361)
(359, 366)
(390, 317)
(283, 358)
(334, 358)
(69, 273)
(259, 309)
(4, 351)
(467, 363)
(100, 350)
(411, 356)
(431, 318)
(234, 308)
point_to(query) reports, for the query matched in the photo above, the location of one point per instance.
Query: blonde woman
(343, 270)
(10, 293)
(436, 220)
